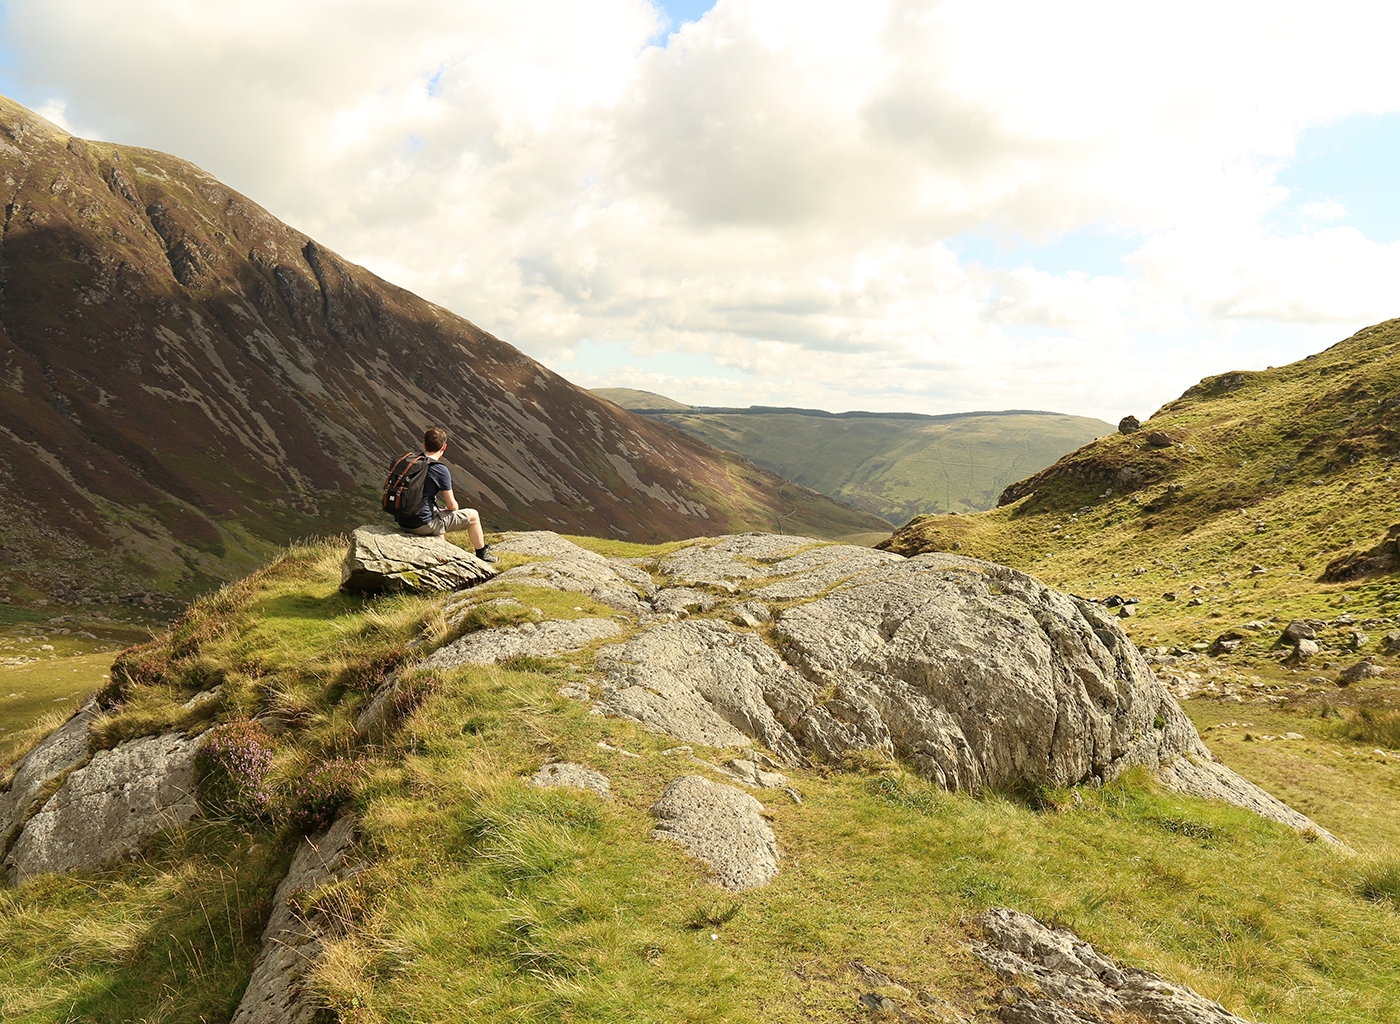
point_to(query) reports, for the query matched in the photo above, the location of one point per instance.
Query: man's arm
(449, 501)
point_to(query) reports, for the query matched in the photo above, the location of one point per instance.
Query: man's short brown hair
(433, 439)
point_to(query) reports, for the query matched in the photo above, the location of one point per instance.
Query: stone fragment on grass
(121, 798)
(568, 775)
(1366, 668)
(1297, 630)
(1129, 425)
(1306, 649)
(1076, 984)
(721, 826)
(386, 560)
(539, 640)
(1159, 439)
(277, 992)
(749, 773)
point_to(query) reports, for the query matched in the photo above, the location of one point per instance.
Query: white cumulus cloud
(774, 191)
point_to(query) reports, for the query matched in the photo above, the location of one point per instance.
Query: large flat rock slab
(704, 681)
(121, 798)
(277, 992)
(386, 560)
(811, 572)
(569, 568)
(492, 646)
(732, 559)
(721, 826)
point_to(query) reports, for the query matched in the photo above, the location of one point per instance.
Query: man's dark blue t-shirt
(439, 479)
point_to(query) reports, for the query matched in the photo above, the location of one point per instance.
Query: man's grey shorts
(446, 522)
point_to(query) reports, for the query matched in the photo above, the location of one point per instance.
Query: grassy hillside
(1228, 532)
(895, 466)
(485, 899)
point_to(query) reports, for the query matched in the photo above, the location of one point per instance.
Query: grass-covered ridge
(487, 899)
(1286, 469)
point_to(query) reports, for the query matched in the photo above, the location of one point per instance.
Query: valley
(893, 465)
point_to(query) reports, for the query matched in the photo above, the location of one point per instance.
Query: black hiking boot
(486, 554)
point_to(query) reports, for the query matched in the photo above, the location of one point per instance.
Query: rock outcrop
(704, 681)
(979, 675)
(575, 570)
(540, 640)
(116, 802)
(721, 826)
(277, 992)
(64, 748)
(385, 560)
(1211, 780)
(1074, 984)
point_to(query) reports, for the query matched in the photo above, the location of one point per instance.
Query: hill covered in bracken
(189, 383)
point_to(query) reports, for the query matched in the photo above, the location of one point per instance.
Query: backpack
(403, 487)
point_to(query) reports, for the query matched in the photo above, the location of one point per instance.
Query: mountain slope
(1268, 496)
(893, 465)
(188, 383)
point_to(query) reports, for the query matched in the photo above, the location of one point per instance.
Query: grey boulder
(980, 676)
(121, 798)
(386, 560)
(721, 826)
(60, 750)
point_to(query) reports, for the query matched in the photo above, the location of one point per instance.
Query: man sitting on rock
(432, 521)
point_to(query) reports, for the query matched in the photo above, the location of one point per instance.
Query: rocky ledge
(979, 675)
(385, 560)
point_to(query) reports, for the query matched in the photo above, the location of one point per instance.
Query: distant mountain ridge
(896, 465)
(189, 382)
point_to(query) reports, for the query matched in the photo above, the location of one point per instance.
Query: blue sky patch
(1355, 162)
(1093, 251)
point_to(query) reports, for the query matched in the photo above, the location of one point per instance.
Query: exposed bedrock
(981, 676)
(1075, 984)
(977, 674)
(277, 992)
(64, 748)
(116, 802)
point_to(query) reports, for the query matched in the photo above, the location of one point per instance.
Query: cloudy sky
(902, 205)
